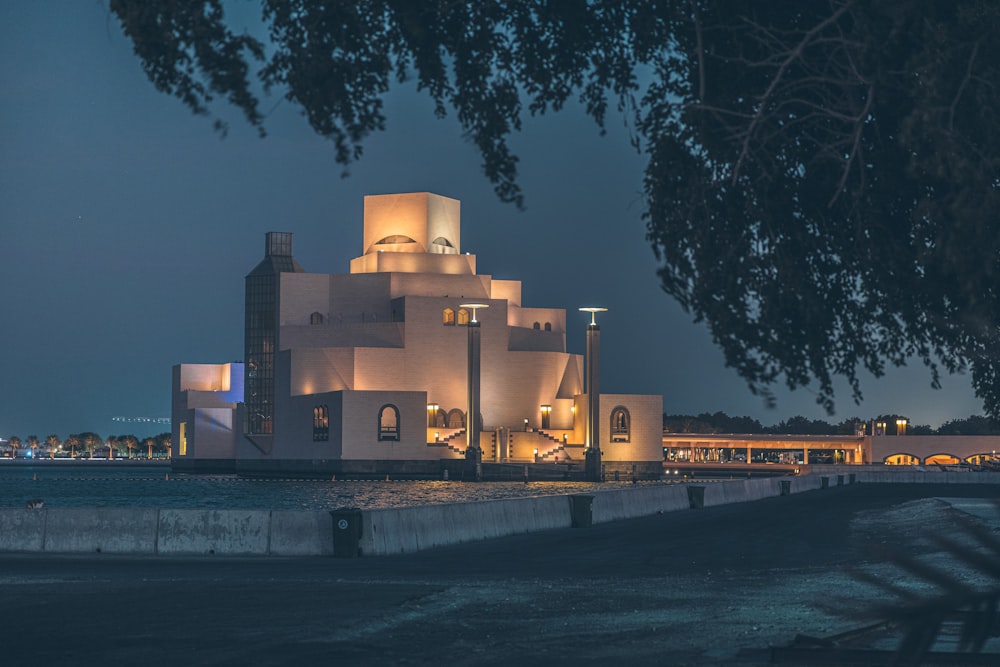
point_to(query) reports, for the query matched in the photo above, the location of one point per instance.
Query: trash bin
(840, 480)
(696, 497)
(346, 532)
(786, 487)
(824, 482)
(582, 511)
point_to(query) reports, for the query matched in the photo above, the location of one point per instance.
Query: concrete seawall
(172, 532)
(178, 532)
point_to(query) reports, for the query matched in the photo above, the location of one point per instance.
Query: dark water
(156, 487)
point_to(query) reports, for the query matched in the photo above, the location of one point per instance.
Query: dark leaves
(972, 603)
(823, 176)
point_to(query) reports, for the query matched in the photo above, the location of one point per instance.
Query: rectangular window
(321, 423)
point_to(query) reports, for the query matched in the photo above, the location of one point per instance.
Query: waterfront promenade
(688, 587)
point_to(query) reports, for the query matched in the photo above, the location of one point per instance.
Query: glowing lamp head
(474, 307)
(593, 310)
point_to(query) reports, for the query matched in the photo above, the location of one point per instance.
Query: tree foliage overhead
(823, 176)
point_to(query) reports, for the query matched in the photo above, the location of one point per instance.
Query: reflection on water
(93, 487)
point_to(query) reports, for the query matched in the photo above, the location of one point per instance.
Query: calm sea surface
(119, 486)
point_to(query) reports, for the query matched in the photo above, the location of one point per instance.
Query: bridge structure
(841, 449)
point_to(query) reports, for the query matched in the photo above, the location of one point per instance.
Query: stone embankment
(353, 532)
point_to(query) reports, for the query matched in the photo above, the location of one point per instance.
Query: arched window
(394, 239)
(548, 326)
(456, 419)
(316, 318)
(536, 325)
(621, 424)
(388, 422)
(447, 316)
(463, 317)
(321, 423)
(942, 459)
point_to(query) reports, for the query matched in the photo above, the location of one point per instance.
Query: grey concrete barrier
(641, 501)
(294, 533)
(224, 532)
(101, 530)
(408, 529)
(301, 533)
(22, 530)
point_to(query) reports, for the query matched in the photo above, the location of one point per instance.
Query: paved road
(692, 587)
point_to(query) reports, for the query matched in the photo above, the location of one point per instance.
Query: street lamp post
(592, 463)
(473, 452)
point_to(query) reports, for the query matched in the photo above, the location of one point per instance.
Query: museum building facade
(369, 372)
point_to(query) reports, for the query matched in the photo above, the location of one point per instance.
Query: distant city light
(144, 420)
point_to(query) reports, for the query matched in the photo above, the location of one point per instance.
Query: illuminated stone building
(367, 373)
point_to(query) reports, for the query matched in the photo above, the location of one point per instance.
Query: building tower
(261, 331)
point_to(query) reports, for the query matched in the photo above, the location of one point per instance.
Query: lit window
(463, 317)
(620, 425)
(448, 316)
(394, 239)
(388, 422)
(456, 419)
(183, 445)
(321, 423)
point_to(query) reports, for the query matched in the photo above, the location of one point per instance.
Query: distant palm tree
(90, 441)
(14, 443)
(130, 442)
(53, 444)
(110, 443)
(166, 441)
(33, 445)
(72, 441)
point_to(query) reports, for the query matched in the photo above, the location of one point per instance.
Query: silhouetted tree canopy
(973, 425)
(822, 182)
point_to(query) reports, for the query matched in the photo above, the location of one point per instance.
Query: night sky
(127, 226)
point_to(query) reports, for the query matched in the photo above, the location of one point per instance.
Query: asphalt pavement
(695, 587)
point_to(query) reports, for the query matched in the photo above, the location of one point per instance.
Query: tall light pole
(593, 389)
(473, 452)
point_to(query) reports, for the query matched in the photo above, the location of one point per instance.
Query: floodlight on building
(900, 427)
